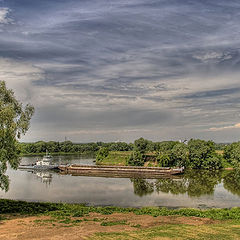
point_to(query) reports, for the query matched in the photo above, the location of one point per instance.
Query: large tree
(14, 121)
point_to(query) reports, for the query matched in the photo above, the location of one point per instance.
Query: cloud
(207, 57)
(237, 125)
(19, 76)
(168, 67)
(4, 16)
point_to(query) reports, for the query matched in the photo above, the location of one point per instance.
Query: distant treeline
(92, 147)
(70, 147)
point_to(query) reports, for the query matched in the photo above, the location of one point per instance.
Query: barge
(119, 171)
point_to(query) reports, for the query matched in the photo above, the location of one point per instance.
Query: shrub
(102, 153)
(135, 159)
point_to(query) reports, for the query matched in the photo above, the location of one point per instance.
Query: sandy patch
(24, 228)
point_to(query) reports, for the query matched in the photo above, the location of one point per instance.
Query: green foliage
(179, 155)
(214, 161)
(69, 147)
(201, 153)
(232, 154)
(165, 147)
(14, 121)
(67, 210)
(164, 160)
(101, 154)
(136, 159)
(140, 145)
(11, 206)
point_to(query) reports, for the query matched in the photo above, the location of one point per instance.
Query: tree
(14, 121)
(102, 153)
(141, 145)
(179, 155)
(136, 159)
(232, 154)
(202, 153)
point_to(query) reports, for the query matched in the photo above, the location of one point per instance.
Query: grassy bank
(222, 231)
(116, 158)
(98, 223)
(66, 210)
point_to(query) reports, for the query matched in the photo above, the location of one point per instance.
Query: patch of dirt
(41, 227)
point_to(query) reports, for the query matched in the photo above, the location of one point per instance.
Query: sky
(119, 70)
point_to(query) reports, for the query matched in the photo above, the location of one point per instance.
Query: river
(199, 189)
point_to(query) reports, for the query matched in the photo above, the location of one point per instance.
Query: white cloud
(19, 76)
(237, 125)
(4, 16)
(212, 56)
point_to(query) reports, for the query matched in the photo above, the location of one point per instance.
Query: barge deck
(120, 171)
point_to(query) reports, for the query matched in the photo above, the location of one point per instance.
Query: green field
(116, 158)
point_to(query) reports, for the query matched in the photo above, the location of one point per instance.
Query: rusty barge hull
(119, 171)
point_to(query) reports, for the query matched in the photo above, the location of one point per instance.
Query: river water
(199, 189)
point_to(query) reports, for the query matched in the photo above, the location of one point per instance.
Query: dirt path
(44, 227)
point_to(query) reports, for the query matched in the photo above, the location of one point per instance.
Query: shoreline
(38, 220)
(9, 206)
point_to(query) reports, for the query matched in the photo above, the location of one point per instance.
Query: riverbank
(26, 220)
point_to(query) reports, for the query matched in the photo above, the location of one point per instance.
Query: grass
(67, 215)
(63, 210)
(226, 230)
(116, 158)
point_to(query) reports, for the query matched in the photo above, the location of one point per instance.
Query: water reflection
(44, 177)
(192, 189)
(231, 182)
(193, 183)
(142, 187)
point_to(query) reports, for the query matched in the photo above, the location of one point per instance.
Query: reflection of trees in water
(142, 186)
(194, 183)
(173, 186)
(231, 182)
(202, 182)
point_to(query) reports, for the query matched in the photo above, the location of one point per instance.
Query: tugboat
(43, 164)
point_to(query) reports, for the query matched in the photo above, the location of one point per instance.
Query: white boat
(43, 164)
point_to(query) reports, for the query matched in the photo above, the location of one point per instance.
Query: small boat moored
(43, 164)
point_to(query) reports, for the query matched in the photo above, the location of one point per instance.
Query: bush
(199, 152)
(101, 154)
(135, 159)
(163, 160)
(213, 162)
(179, 155)
(232, 154)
